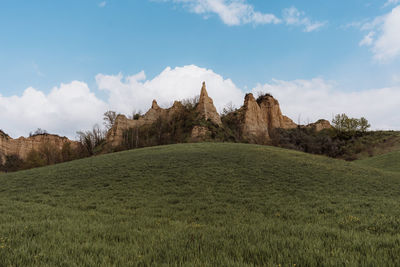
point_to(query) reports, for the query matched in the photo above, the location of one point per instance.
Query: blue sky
(47, 43)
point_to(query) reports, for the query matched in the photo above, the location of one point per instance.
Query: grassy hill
(201, 204)
(389, 161)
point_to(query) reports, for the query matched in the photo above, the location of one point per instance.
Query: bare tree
(190, 102)
(109, 119)
(90, 140)
(229, 108)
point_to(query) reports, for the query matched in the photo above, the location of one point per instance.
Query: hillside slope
(388, 162)
(201, 204)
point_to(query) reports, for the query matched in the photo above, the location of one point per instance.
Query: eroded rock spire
(206, 107)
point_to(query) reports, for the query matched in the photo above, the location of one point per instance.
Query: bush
(12, 163)
(34, 160)
(38, 131)
(308, 140)
(232, 124)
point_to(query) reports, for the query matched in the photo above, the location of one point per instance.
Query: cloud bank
(74, 106)
(383, 36)
(66, 109)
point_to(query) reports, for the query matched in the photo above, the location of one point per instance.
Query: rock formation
(254, 126)
(206, 107)
(22, 146)
(261, 117)
(320, 125)
(199, 133)
(253, 122)
(122, 123)
(256, 119)
(273, 115)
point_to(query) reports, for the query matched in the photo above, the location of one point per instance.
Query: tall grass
(201, 204)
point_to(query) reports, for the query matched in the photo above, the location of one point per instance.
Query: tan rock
(320, 125)
(22, 146)
(273, 115)
(199, 133)
(206, 107)
(115, 135)
(254, 127)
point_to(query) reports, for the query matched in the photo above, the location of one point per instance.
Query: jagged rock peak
(206, 107)
(249, 97)
(154, 105)
(203, 92)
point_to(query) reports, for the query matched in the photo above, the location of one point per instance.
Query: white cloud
(239, 12)
(231, 12)
(315, 99)
(134, 92)
(391, 2)
(368, 39)
(396, 78)
(384, 36)
(292, 16)
(64, 110)
(102, 4)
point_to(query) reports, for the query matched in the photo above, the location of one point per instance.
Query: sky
(64, 63)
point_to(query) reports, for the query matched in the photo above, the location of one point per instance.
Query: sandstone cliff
(261, 117)
(254, 127)
(273, 115)
(206, 107)
(22, 146)
(122, 123)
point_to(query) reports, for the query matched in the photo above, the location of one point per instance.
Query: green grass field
(201, 204)
(389, 161)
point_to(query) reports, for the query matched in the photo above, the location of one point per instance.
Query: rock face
(206, 107)
(273, 115)
(199, 133)
(22, 146)
(254, 126)
(122, 123)
(261, 117)
(320, 125)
